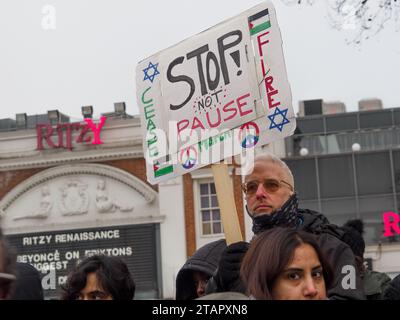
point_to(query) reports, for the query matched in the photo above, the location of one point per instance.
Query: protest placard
(217, 94)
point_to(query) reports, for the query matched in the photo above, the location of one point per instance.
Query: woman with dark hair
(100, 278)
(285, 264)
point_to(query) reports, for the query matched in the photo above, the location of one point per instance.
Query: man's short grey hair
(269, 157)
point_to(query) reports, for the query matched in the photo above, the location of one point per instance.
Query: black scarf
(287, 216)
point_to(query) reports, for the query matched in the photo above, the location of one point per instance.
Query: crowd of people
(295, 254)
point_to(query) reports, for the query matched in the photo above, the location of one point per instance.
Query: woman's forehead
(304, 253)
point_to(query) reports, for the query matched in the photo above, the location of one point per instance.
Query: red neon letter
(39, 131)
(391, 224)
(96, 129)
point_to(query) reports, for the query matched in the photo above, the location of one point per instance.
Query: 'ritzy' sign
(61, 136)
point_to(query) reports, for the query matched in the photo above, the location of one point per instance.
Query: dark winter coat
(204, 260)
(392, 291)
(337, 253)
(375, 284)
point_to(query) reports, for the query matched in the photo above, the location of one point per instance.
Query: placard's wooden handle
(226, 201)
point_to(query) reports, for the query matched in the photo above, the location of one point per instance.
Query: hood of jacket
(28, 285)
(312, 219)
(206, 260)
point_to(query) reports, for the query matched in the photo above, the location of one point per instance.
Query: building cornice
(40, 160)
(77, 169)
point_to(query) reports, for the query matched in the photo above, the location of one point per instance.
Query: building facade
(64, 197)
(347, 166)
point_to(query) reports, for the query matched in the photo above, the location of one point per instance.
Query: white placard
(215, 95)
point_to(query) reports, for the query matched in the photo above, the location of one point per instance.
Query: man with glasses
(7, 276)
(271, 201)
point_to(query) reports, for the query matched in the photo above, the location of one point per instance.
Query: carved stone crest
(74, 198)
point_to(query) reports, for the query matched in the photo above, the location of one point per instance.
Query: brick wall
(10, 179)
(136, 167)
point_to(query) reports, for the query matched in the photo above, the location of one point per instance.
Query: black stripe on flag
(258, 15)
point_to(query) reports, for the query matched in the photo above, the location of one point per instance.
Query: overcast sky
(90, 56)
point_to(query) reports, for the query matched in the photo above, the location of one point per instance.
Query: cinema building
(75, 188)
(65, 194)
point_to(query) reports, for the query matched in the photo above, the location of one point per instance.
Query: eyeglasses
(270, 185)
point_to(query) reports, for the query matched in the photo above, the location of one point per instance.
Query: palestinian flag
(259, 22)
(162, 170)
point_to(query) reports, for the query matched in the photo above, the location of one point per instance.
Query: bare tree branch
(365, 18)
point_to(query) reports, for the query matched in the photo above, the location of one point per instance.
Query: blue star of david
(150, 76)
(284, 121)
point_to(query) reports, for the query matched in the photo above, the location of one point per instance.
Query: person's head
(268, 185)
(285, 264)
(193, 277)
(100, 278)
(200, 281)
(353, 237)
(28, 285)
(7, 261)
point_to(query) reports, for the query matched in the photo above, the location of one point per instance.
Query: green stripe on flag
(260, 27)
(164, 171)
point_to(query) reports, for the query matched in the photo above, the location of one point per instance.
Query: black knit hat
(392, 292)
(353, 236)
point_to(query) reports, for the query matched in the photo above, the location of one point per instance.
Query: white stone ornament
(74, 198)
(45, 206)
(105, 203)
